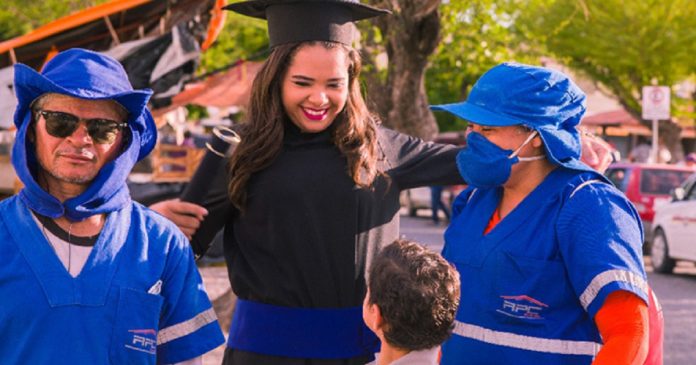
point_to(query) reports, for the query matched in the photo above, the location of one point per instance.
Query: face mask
(483, 164)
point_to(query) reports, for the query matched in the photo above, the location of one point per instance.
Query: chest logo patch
(156, 289)
(522, 306)
(144, 340)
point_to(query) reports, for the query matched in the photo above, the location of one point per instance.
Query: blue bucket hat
(542, 99)
(86, 75)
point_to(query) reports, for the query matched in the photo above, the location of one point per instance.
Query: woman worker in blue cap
(549, 253)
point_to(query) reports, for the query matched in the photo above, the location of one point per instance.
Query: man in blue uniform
(89, 276)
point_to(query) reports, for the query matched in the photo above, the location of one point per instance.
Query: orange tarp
(101, 27)
(70, 21)
(217, 22)
(225, 89)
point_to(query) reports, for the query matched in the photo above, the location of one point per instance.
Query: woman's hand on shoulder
(187, 216)
(596, 152)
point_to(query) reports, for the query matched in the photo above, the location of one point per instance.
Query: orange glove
(623, 323)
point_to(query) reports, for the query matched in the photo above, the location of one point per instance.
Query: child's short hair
(417, 292)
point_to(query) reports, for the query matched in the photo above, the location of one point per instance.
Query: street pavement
(676, 292)
(423, 230)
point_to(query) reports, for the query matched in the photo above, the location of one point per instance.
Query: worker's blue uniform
(138, 300)
(532, 286)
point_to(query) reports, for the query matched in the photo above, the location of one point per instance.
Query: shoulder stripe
(554, 346)
(185, 328)
(607, 277)
(588, 182)
(471, 195)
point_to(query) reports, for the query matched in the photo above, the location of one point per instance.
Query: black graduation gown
(308, 234)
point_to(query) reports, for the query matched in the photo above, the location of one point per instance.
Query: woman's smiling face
(315, 86)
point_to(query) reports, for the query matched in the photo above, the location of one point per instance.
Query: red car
(647, 185)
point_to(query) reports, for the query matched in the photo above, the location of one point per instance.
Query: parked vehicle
(419, 198)
(675, 229)
(647, 186)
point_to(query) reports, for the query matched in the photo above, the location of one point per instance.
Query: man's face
(73, 161)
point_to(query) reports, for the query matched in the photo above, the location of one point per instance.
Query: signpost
(656, 107)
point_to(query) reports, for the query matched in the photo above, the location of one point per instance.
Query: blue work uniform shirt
(138, 300)
(532, 286)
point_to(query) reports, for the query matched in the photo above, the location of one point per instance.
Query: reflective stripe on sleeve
(608, 277)
(185, 328)
(564, 347)
(588, 182)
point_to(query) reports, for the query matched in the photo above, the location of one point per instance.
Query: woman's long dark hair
(354, 131)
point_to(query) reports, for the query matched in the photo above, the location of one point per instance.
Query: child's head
(412, 298)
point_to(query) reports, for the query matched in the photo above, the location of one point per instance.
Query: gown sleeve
(412, 162)
(216, 199)
(219, 208)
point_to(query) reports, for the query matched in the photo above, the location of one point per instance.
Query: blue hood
(92, 76)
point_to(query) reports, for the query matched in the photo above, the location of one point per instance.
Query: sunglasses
(61, 125)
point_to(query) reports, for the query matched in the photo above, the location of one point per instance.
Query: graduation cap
(307, 20)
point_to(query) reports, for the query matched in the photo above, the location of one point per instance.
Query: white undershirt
(74, 257)
(70, 255)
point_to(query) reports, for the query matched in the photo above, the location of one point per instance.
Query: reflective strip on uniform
(471, 195)
(564, 347)
(658, 306)
(185, 328)
(608, 277)
(588, 182)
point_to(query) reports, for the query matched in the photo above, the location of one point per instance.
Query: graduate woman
(314, 187)
(312, 192)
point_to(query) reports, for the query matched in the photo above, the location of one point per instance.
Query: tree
(441, 47)
(477, 35)
(242, 38)
(405, 40)
(623, 45)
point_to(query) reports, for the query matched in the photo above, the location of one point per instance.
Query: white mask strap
(526, 141)
(531, 158)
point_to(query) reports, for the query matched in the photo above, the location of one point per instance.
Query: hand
(596, 152)
(187, 216)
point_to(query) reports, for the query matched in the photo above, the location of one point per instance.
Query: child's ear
(371, 315)
(377, 316)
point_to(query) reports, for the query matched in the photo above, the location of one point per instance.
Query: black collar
(56, 230)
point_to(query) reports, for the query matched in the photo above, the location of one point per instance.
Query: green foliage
(242, 38)
(622, 44)
(196, 112)
(476, 35)
(18, 17)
